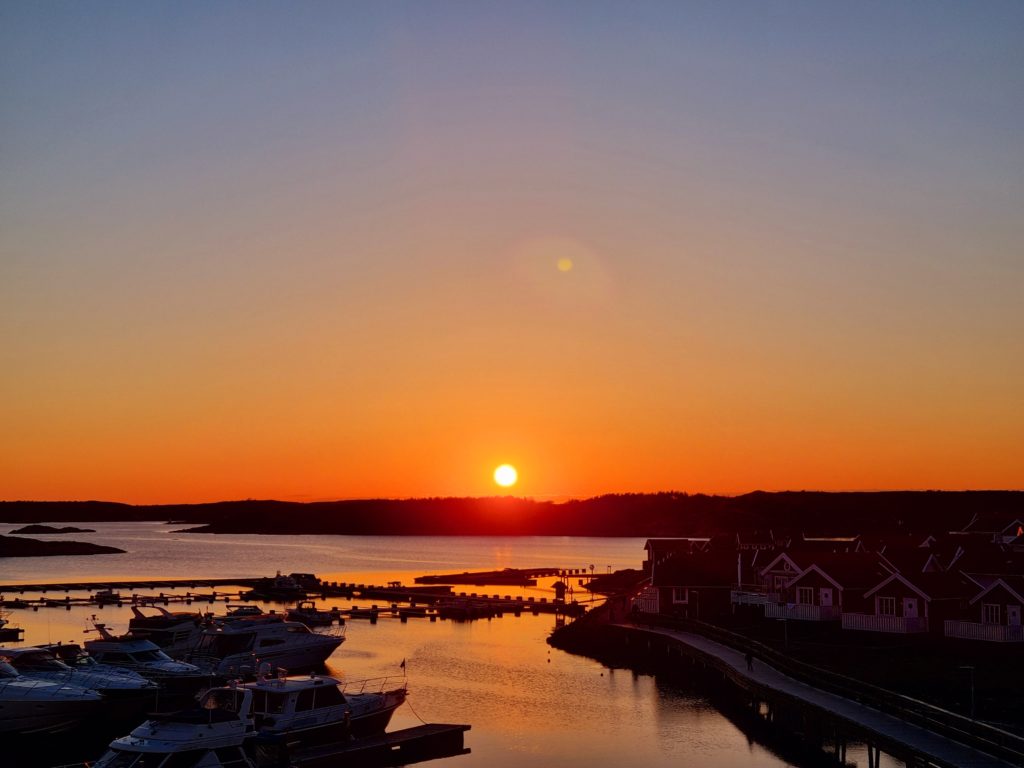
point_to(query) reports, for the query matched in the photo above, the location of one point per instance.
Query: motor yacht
(229, 722)
(113, 682)
(238, 647)
(33, 706)
(175, 632)
(143, 656)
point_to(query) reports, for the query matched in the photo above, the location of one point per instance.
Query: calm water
(528, 704)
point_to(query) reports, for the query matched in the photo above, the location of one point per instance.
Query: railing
(800, 612)
(753, 597)
(868, 622)
(373, 684)
(976, 734)
(993, 633)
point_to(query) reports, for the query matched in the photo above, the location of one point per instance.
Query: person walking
(750, 662)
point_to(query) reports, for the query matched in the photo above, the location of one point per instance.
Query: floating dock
(410, 745)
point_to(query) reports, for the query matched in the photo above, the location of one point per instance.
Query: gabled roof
(1013, 584)
(903, 580)
(780, 556)
(931, 586)
(847, 570)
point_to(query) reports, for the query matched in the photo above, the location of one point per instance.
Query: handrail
(974, 733)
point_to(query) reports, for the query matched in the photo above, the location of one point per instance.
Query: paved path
(926, 742)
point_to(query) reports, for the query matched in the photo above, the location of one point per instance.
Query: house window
(887, 606)
(990, 613)
(805, 595)
(680, 595)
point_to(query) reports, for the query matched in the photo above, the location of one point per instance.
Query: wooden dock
(880, 730)
(410, 745)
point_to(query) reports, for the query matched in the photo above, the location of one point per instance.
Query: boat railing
(373, 684)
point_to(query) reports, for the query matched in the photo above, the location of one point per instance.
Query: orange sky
(342, 254)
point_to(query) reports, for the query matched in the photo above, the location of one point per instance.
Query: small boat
(8, 633)
(281, 588)
(107, 597)
(229, 722)
(307, 612)
(42, 706)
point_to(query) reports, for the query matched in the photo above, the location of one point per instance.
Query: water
(528, 704)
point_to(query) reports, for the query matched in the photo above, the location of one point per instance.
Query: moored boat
(237, 648)
(146, 658)
(42, 706)
(229, 722)
(307, 613)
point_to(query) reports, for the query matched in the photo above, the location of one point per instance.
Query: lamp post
(970, 671)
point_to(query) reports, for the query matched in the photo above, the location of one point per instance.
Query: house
(993, 614)
(912, 603)
(694, 585)
(819, 591)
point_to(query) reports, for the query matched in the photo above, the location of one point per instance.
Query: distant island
(650, 515)
(51, 529)
(17, 546)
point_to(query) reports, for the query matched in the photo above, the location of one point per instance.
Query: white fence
(867, 622)
(994, 633)
(800, 612)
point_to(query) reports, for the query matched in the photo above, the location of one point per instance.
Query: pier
(410, 745)
(403, 601)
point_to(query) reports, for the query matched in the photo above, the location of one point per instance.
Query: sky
(324, 250)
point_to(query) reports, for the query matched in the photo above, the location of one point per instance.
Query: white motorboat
(238, 647)
(145, 657)
(112, 682)
(229, 723)
(42, 706)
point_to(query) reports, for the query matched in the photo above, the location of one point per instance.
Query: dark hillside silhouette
(648, 515)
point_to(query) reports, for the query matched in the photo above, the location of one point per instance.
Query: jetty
(410, 745)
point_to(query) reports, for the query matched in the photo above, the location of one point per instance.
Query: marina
(498, 675)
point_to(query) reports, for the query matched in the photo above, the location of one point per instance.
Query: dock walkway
(941, 750)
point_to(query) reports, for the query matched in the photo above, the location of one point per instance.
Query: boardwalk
(939, 749)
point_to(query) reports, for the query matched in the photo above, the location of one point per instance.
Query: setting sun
(506, 475)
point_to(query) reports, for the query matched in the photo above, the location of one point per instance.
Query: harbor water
(527, 703)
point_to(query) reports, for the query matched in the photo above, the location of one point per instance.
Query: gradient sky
(320, 250)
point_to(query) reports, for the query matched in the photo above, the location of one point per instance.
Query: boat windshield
(6, 670)
(224, 699)
(146, 656)
(39, 661)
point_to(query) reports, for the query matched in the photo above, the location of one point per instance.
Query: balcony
(900, 625)
(800, 612)
(992, 633)
(753, 597)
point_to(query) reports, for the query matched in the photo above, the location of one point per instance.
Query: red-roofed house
(909, 603)
(993, 614)
(821, 590)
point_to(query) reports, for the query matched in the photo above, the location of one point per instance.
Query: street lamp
(970, 669)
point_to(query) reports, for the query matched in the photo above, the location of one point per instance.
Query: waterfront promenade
(937, 748)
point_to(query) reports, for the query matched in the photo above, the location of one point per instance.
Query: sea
(527, 703)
